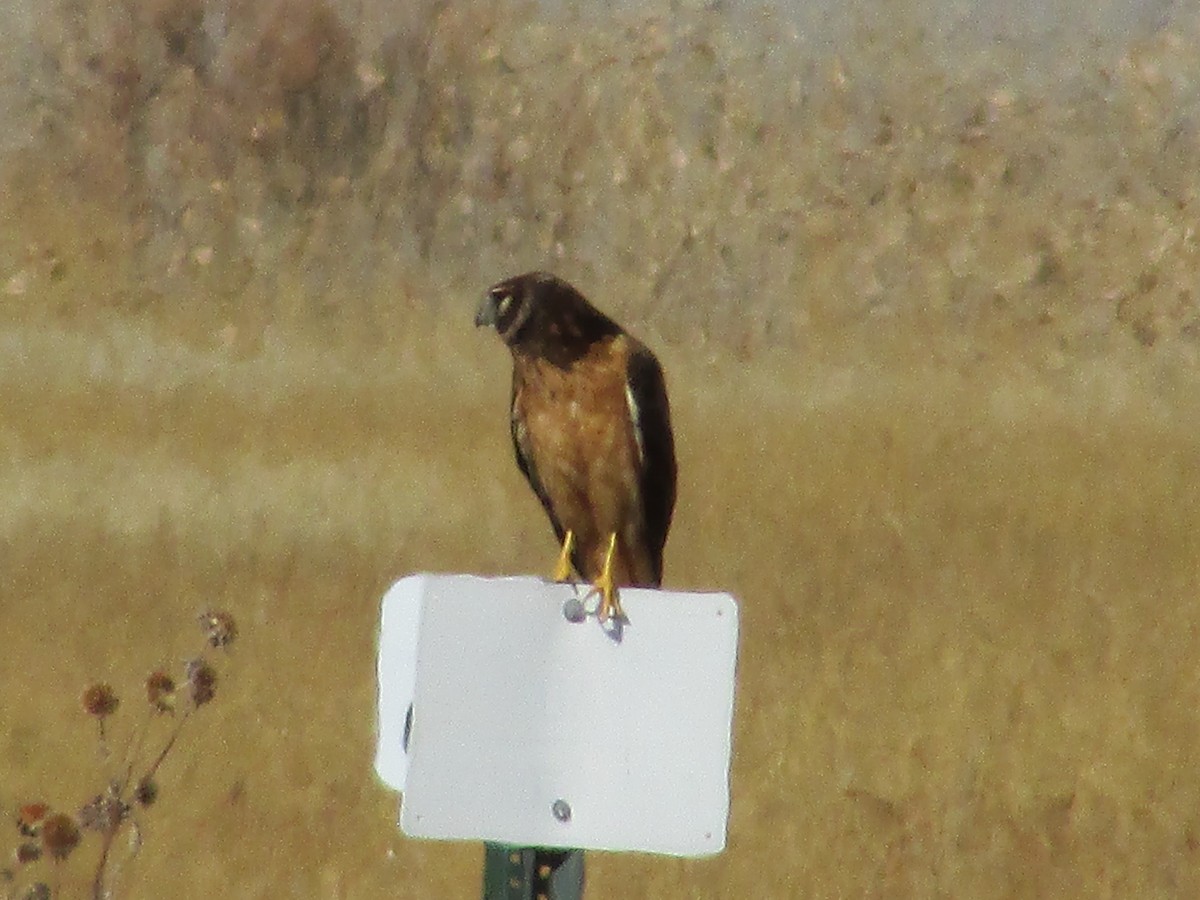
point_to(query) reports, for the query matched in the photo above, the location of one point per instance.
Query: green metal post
(531, 873)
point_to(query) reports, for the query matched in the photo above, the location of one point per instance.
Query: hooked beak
(486, 314)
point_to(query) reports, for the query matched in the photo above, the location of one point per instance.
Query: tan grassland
(941, 438)
(968, 663)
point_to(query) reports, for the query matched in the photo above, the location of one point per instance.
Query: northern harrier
(591, 427)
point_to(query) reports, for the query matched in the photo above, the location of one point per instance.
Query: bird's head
(509, 305)
(538, 314)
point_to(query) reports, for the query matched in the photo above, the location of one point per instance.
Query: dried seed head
(146, 791)
(30, 818)
(219, 627)
(104, 812)
(28, 852)
(100, 700)
(38, 891)
(60, 835)
(202, 681)
(160, 691)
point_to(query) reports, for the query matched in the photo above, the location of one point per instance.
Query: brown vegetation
(128, 787)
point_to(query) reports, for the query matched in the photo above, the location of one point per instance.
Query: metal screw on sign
(574, 610)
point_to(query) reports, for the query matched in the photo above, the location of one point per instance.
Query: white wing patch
(636, 415)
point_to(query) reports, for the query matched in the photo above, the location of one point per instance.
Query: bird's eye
(503, 302)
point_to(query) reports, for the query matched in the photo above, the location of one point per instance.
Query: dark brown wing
(647, 392)
(527, 464)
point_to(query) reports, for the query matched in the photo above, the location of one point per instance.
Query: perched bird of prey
(591, 427)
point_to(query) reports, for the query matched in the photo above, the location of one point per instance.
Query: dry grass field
(938, 423)
(969, 654)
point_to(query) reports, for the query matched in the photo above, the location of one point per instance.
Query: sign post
(509, 714)
(530, 873)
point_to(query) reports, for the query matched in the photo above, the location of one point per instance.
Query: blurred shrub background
(741, 171)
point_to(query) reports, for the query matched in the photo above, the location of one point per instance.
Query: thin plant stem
(169, 744)
(98, 891)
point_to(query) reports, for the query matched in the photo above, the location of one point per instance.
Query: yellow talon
(610, 599)
(562, 569)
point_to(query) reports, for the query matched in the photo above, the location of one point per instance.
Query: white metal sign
(531, 729)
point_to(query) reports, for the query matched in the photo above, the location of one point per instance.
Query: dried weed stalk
(48, 833)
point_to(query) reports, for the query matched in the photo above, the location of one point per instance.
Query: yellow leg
(610, 599)
(562, 569)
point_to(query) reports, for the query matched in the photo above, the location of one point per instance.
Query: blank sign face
(534, 730)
